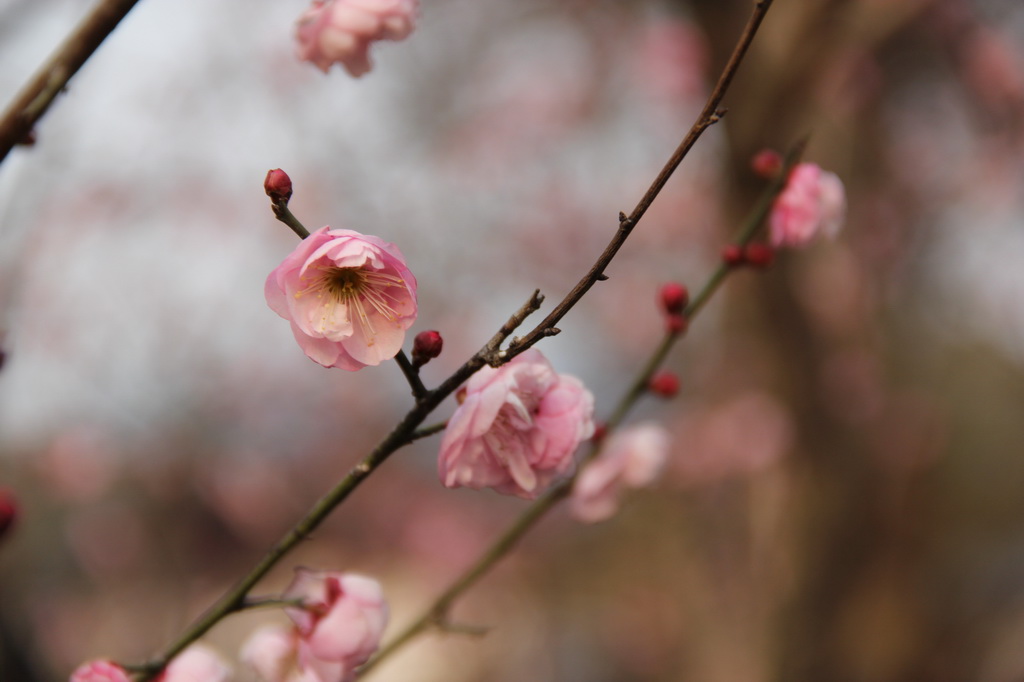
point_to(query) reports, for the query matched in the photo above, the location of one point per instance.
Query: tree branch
(38, 94)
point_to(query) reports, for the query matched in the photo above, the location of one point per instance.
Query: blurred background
(844, 500)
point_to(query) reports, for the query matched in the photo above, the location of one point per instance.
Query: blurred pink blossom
(517, 428)
(197, 663)
(747, 434)
(336, 631)
(813, 201)
(631, 458)
(99, 671)
(272, 652)
(342, 30)
(671, 60)
(349, 297)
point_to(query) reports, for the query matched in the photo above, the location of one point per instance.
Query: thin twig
(427, 431)
(709, 115)
(39, 92)
(285, 215)
(419, 391)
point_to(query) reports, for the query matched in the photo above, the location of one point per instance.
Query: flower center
(364, 292)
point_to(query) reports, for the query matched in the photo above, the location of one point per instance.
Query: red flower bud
(766, 163)
(425, 347)
(664, 384)
(674, 297)
(732, 255)
(600, 431)
(278, 185)
(759, 255)
(8, 511)
(676, 324)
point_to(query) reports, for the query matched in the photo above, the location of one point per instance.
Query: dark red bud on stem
(8, 511)
(676, 324)
(759, 255)
(766, 163)
(732, 255)
(674, 298)
(425, 347)
(664, 384)
(278, 185)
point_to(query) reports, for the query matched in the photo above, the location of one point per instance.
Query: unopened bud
(664, 384)
(676, 324)
(425, 347)
(674, 298)
(732, 255)
(8, 511)
(766, 163)
(278, 185)
(759, 255)
(600, 431)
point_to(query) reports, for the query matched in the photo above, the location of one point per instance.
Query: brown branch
(709, 115)
(52, 77)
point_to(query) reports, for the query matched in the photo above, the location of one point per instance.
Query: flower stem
(285, 215)
(419, 391)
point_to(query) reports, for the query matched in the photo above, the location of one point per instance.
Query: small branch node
(602, 277)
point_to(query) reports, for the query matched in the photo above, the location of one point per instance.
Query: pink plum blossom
(517, 428)
(100, 671)
(342, 31)
(349, 297)
(336, 630)
(273, 653)
(631, 458)
(813, 201)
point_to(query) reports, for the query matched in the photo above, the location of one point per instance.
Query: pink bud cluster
(341, 31)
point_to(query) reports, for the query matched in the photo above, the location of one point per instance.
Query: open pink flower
(517, 428)
(337, 630)
(349, 297)
(100, 671)
(342, 30)
(631, 458)
(813, 201)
